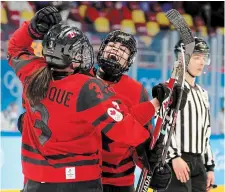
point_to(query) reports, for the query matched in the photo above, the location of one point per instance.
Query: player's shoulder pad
(137, 87)
(130, 81)
(93, 92)
(22, 59)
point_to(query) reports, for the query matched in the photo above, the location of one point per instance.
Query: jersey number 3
(43, 123)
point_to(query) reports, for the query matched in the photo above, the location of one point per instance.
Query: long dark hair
(38, 84)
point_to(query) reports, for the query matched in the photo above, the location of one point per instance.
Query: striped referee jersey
(193, 127)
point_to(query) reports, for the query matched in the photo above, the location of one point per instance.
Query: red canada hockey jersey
(61, 139)
(118, 159)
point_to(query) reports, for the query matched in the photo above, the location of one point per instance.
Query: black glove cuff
(176, 156)
(34, 34)
(209, 168)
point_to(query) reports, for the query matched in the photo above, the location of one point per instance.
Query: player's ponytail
(38, 85)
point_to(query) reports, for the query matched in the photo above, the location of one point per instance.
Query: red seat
(126, 13)
(91, 14)
(114, 16)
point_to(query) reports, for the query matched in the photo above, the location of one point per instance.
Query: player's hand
(161, 92)
(42, 21)
(210, 180)
(147, 156)
(181, 169)
(156, 104)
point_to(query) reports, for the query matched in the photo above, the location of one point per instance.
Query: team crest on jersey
(114, 114)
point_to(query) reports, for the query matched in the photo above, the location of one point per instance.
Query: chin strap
(106, 77)
(190, 74)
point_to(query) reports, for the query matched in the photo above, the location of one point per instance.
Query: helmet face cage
(82, 52)
(201, 47)
(114, 59)
(63, 45)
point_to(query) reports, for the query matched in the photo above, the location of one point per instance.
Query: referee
(190, 154)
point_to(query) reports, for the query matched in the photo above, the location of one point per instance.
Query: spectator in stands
(155, 7)
(179, 6)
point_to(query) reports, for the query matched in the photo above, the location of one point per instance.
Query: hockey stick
(184, 59)
(179, 75)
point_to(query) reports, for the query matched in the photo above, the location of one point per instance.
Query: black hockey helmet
(200, 47)
(112, 66)
(63, 45)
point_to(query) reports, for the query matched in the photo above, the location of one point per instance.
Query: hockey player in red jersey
(116, 54)
(66, 110)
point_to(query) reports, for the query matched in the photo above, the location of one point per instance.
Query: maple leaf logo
(72, 34)
(115, 115)
(112, 112)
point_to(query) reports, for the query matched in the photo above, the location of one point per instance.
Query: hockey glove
(149, 158)
(161, 92)
(161, 178)
(42, 21)
(155, 155)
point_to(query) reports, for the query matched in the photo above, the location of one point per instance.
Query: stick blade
(185, 32)
(180, 24)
